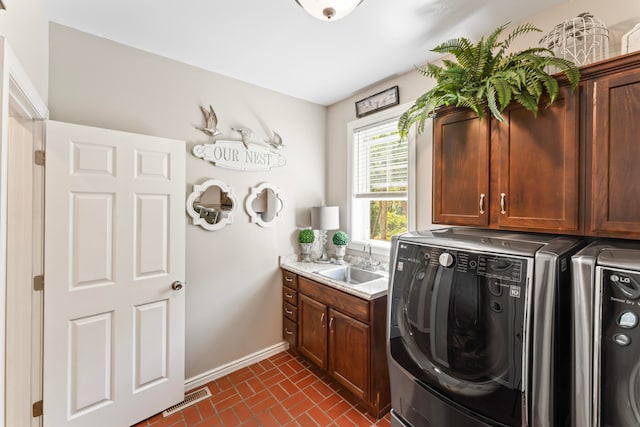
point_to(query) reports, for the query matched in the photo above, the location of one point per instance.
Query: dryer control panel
(619, 347)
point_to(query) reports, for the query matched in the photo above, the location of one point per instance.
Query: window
(380, 180)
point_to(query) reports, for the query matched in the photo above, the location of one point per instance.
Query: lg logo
(621, 279)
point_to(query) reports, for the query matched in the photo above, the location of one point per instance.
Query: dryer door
(617, 367)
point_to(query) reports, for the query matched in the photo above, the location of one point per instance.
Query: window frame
(379, 247)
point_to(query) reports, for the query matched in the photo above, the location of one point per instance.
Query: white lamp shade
(329, 10)
(325, 218)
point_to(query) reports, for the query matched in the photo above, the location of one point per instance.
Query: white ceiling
(275, 44)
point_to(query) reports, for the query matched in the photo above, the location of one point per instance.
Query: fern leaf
(491, 102)
(452, 46)
(527, 102)
(503, 90)
(551, 86)
(517, 32)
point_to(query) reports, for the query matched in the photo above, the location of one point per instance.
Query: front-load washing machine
(606, 335)
(479, 328)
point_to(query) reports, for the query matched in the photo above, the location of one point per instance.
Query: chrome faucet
(370, 263)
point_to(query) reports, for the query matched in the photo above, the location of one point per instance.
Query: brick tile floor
(283, 390)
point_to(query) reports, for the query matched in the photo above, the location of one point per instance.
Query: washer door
(459, 330)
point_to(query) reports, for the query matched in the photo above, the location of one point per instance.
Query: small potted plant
(340, 241)
(306, 238)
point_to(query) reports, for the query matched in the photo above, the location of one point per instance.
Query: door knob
(177, 285)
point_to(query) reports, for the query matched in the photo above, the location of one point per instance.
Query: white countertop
(369, 290)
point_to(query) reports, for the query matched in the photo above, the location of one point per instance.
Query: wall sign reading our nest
(244, 154)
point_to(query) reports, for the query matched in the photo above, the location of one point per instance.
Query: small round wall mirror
(212, 205)
(265, 204)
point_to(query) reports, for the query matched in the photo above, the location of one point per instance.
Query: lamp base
(324, 258)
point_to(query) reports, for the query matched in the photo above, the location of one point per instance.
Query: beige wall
(233, 288)
(618, 15)
(24, 25)
(233, 294)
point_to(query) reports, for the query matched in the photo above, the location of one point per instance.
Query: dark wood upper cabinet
(535, 167)
(615, 156)
(460, 169)
(522, 174)
(573, 169)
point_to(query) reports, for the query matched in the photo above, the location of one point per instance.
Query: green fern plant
(487, 76)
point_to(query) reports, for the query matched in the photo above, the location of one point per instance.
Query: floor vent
(189, 399)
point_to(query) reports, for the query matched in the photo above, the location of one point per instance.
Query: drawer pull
(288, 279)
(288, 295)
(287, 331)
(286, 310)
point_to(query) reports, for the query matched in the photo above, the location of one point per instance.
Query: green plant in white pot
(340, 241)
(306, 238)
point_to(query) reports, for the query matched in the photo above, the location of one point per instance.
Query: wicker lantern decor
(583, 40)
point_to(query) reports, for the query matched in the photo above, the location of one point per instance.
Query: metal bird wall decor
(245, 133)
(210, 122)
(276, 142)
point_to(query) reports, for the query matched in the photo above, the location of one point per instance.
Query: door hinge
(40, 157)
(38, 283)
(37, 409)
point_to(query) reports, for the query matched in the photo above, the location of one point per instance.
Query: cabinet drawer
(289, 279)
(344, 302)
(290, 296)
(290, 332)
(290, 311)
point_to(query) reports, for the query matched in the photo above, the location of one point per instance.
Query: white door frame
(18, 96)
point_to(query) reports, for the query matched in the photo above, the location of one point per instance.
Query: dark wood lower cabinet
(349, 349)
(312, 335)
(345, 336)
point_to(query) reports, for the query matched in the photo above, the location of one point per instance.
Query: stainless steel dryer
(606, 337)
(479, 328)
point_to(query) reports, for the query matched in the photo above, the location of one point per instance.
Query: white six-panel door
(114, 245)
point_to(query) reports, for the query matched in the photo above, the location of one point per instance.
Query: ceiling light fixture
(329, 10)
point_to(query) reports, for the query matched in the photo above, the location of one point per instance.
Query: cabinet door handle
(286, 310)
(288, 279)
(503, 203)
(482, 204)
(287, 331)
(322, 320)
(330, 322)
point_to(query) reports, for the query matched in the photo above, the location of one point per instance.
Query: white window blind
(381, 169)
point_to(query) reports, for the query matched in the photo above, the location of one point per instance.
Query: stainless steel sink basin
(349, 274)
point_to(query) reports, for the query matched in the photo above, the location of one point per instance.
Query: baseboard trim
(221, 371)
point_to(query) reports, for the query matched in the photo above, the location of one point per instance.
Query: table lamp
(325, 218)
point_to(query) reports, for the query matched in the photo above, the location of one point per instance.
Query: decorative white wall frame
(265, 204)
(212, 216)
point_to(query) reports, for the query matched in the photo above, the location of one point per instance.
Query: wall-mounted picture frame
(379, 101)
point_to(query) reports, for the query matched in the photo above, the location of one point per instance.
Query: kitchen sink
(350, 274)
